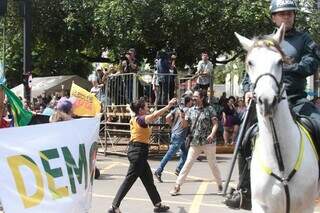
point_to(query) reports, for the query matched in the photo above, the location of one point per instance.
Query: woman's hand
(172, 102)
(210, 138)
(155, 115)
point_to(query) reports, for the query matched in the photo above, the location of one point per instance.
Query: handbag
(190, 133)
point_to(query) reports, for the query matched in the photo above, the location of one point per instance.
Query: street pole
(3, 46)
(3, 10)
(26, 14)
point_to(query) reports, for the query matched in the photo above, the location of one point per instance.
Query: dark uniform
(305, 54)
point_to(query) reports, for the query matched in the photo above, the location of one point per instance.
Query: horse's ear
(246, 43)
(279, 36)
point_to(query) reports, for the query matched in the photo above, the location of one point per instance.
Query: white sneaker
(175, 191)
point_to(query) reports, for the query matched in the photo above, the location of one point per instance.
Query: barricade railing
(158, 89)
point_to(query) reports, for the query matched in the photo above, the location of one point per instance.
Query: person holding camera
(179, 132)
(138, 154)
(203, 123)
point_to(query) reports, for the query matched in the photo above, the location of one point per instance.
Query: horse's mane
(269, 42)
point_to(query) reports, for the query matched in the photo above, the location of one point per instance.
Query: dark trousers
(244, 157)
(164, 90)
(139, 167)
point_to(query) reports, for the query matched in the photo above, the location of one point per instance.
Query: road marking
(196, 203)
(164, 201)
(166, 172)
(105, 169)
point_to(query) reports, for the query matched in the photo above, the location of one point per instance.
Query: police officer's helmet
(282, 5)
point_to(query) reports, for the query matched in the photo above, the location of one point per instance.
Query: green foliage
(235, 67)
(68, 35)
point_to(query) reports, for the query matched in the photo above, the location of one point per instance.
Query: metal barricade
(158, 89)
(121, 89)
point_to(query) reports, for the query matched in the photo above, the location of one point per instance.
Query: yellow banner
(86, 104)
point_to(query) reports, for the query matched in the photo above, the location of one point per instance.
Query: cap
(64, 105)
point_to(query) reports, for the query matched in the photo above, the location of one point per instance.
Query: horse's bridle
(280, 86)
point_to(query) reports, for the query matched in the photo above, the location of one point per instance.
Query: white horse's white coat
(268, 194)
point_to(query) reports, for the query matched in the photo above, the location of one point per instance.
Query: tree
(59, 35)
(186, 26)
(69, 35)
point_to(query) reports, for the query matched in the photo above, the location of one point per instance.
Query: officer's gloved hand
(289, 67)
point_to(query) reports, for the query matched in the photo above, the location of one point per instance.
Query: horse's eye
(250, 63)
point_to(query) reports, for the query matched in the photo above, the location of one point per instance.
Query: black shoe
(161, 208)
(230, 194)
(177, 172)
(158, 176)
(96, 173)
(239, 200)
(114, 210)
(234, 201)
(220, 189)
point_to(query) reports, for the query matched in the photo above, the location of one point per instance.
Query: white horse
(298, 173)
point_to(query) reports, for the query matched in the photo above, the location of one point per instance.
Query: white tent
(53, 84)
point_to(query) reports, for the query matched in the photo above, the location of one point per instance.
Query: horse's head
(264, 66)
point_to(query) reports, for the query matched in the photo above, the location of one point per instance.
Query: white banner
(48, 167)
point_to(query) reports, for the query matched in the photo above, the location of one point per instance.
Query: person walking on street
(138, 155)
(178, 137)
(204, 125)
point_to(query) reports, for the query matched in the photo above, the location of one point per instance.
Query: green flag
(22, 117)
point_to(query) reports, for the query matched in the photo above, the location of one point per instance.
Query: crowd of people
(195, 122)
(126, 79)
(53, 108)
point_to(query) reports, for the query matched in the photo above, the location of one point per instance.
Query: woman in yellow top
(138, 155)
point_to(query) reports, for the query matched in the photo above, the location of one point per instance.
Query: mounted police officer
(304, 54)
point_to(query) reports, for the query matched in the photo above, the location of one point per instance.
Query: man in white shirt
(204, 71)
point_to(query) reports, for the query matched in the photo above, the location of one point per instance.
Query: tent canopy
(51, 85)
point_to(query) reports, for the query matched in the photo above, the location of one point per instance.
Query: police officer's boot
(239, 199)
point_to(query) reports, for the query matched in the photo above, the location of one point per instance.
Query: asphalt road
(198, 194)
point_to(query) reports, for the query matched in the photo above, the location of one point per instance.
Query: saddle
(314, 130)
(310, 125)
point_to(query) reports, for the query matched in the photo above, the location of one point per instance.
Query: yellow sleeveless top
(139, 133)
